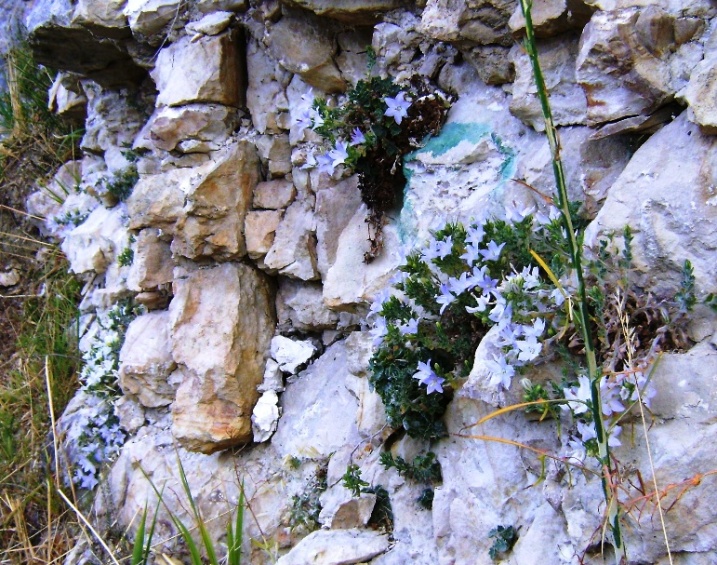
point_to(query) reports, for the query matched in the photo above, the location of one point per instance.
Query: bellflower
(326, 164)
(427, 377)
(581, 394)
(445, 298)
(501, 372)
(357, 137)
(339, 153)
(397, 107)
(492, 252)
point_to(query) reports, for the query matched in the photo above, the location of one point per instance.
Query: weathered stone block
(222, 355)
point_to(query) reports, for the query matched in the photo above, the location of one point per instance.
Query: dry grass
(38, 351)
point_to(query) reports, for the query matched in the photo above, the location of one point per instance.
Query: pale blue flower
(409, 328)
(397, 107)
(310, 161)
(428, 378)
(326, 164)
(475, 235)
(501, 372)
(513, 214)
(492, 252)
(462, 284)
(357, 137)
(482, 303)
(529, 349)
(471, 255)
(445, 298)
(577, 397)
(536, 330)
(444, 248)
(339, 153)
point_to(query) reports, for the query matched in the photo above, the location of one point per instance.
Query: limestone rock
(259, 229)
(273, 378)
(492, 63)
(265, 95)
(302, 46)
(483, 22)
(92, 245)
(62, 45)
(666, 194)
(350, 281)
(335, 206)
(67, 98)
(157, 200)
(209, 6)
(152, 263)
(212, 220)
(299, 306)
(205, 70)
(265, 416)
(356, 12)
(103, 17)
(340, 510)
(553, 17)
(630, 63)
(146, 360)
(222, 356)
(275, 151)
(294, 251)
(189, 129)
(319, 413)
(9, 278)
(274, 194)
(149, 18)
(213, 23)
(701, 93)
(567, 99)
(112, 121)
(336, 547)
(290, 353)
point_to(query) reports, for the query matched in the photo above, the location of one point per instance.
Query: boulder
(667, 196)
(355, 12)
(157, 200)
(293, 253)
(152, 264)
(630, 62)
(479, 22)
(212, 219)
(146, 360)
(206, 70)
(299, 306)
(189, 129)
(274, 194)
(336, 547)
(103, 17)
(259, 229)
(266, 90)
(303, 46)
(567, 99)
(222, 357)
(149, 20)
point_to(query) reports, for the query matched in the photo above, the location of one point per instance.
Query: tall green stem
(582, 315)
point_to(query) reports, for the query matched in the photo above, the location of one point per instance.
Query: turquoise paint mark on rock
(450, 136)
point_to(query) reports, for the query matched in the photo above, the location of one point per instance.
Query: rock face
(222, 357)
(251, 361)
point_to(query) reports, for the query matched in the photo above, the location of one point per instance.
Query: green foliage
(685, 297)
(423, 469)
(352, 480)
(126, 258)
(306, 507)
(504, 540)
(208, 545)
(382, 515)
(534, 392)
(425, 499)
(122, 183)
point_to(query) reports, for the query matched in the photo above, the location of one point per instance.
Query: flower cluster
(352, 132)
(509, 279)
(102, 436)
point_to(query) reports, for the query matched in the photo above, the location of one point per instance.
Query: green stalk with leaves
(581, 313)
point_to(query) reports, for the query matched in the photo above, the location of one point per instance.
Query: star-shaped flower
(397, 107)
